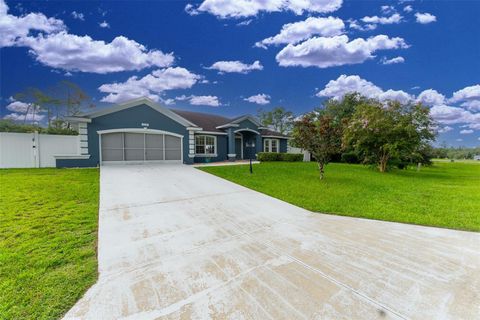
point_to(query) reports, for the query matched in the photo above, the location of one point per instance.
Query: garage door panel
(154, 154)
(173, 154)
(172, 142)
(134, 140)
(112, 154)
(134, 154)
(154, 141)
(112, 141)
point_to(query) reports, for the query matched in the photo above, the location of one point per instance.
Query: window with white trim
(205, 145)
(270, 145)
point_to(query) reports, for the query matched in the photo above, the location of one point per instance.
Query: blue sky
(232, 58)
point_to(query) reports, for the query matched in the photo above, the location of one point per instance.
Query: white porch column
(191, 141)
(83, 138)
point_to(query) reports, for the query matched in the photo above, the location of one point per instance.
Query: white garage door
(139, 147)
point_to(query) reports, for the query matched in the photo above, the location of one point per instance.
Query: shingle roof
(210, 122)
(268, 132)
(206, 121)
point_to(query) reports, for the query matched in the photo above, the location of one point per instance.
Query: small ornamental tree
(380, 133)
(319, 135)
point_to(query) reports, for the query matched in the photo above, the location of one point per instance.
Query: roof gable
(137, 102)
(251, 118)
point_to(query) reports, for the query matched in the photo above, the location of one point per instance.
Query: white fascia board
(228, 125)
(277, 137)
(78, 119)
(212, 133)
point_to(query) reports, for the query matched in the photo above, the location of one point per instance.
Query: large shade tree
(380, 133)
(318, 134)
(278, 119)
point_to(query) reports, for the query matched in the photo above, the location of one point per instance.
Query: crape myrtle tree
(341, 111)
(381, 132)
(318, 134)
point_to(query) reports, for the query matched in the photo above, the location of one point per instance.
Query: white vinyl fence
(306, 154)
(33, 150)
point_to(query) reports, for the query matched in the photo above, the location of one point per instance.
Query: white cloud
(78, 15)
(13, 29)
(19, 107)
(393, 19)
(459, 139)
(53, 46)
(205, 101)
(245, 22)
(408, 8)
(425, 18)
(104, 24)
(82, 53)
(30, 117)
(469, 96)
(324, 52)
(299, 31)
(211, 101)
(445, 129)
(466, 131)
(467, 93)
(260, 98)
(393, 60)
(235, 67)
(245, 8)
(395, 95)
(431, 97)
(22, 111)
(346, 84)
(454, 115)
(473, 105)
(387, 9)
(354, 24)
(151, 85)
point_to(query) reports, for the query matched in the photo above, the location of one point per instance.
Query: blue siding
(75, 163)
(247, 124)
(283, 145)
(128, 118)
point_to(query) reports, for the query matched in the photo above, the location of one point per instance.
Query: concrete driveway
(178, 243)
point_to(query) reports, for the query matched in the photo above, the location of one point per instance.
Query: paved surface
(178, 243)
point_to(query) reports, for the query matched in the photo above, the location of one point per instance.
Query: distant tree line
(458, 153)
(58, 101)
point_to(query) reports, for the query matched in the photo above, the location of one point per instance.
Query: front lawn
(444, 195)
(48, 236)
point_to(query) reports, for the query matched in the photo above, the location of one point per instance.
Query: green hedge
(281, 156)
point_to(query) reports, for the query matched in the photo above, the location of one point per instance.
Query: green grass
(48, 237)
(444, 195)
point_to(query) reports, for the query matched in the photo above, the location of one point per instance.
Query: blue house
(143, 131)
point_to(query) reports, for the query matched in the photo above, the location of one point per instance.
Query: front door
(238, 148)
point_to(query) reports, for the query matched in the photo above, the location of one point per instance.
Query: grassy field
(444, 195)
(48, 232)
